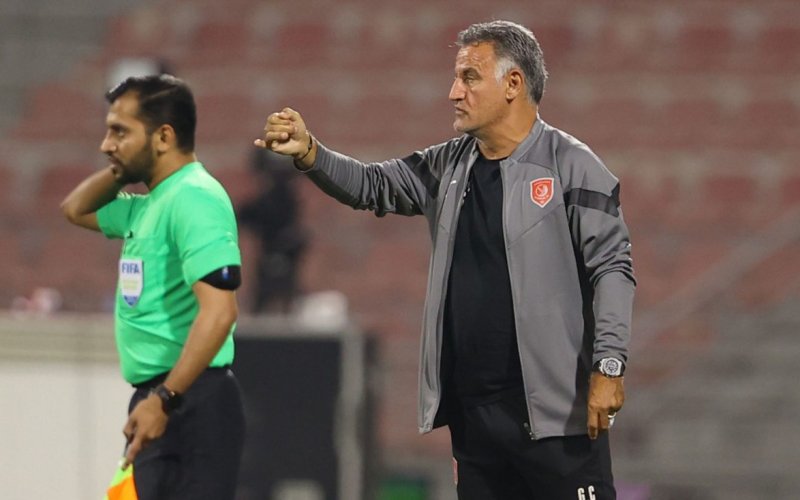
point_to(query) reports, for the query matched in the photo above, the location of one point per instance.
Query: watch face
(611, 367)
(175, 402)
(169, 400)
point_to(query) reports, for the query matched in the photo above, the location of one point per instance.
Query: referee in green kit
(176, 304)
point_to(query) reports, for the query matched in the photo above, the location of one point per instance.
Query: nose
(107, 147)
(456, 90)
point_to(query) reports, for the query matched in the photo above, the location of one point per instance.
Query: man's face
(478, 97)
(127, 143)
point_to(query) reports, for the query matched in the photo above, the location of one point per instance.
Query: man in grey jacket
(528, 310)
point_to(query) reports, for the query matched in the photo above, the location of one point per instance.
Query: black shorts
(494, 458)
(198, 456)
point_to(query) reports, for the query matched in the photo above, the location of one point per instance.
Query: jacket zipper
(450, 243)
(528, 425)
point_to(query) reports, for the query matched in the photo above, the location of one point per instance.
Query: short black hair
(163, 100)
(514, 44)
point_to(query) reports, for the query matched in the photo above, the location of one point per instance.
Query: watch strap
(170, 400)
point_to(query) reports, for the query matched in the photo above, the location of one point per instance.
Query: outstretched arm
(402, 186)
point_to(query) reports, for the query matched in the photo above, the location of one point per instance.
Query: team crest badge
(542, 191)
(131, 280)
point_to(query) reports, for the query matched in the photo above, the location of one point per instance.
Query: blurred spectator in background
(273, 216)
(42, 301)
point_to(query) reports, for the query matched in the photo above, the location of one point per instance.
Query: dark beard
(140, 167)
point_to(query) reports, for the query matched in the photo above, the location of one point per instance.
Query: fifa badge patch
(131, 280)
(542, 191)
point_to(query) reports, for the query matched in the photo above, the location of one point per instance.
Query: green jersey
(181, 231)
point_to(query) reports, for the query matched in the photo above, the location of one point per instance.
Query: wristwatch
(170, 400)
(610, 367)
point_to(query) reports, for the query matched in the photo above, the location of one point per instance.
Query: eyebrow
(468, 71)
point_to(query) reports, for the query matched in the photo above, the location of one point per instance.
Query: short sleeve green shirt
(182, 230)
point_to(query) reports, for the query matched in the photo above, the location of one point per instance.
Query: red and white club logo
(542, 191)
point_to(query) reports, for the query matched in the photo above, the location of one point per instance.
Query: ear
(164, 138)
(515, 84)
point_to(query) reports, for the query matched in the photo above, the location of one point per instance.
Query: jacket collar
(529, 141)
(521, 149)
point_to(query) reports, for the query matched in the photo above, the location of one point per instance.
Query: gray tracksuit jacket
(568, 254)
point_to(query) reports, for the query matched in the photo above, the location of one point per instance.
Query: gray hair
(514, 46)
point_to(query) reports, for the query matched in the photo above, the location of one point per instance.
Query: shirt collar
(176, 176)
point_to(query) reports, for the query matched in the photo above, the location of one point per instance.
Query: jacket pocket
(521, 218)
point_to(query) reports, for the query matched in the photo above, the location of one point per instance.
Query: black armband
(224, 278)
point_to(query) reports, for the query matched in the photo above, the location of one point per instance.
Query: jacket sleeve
(602, 246)
(402, 186)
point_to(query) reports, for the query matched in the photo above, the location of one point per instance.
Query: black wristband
(310, 145)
